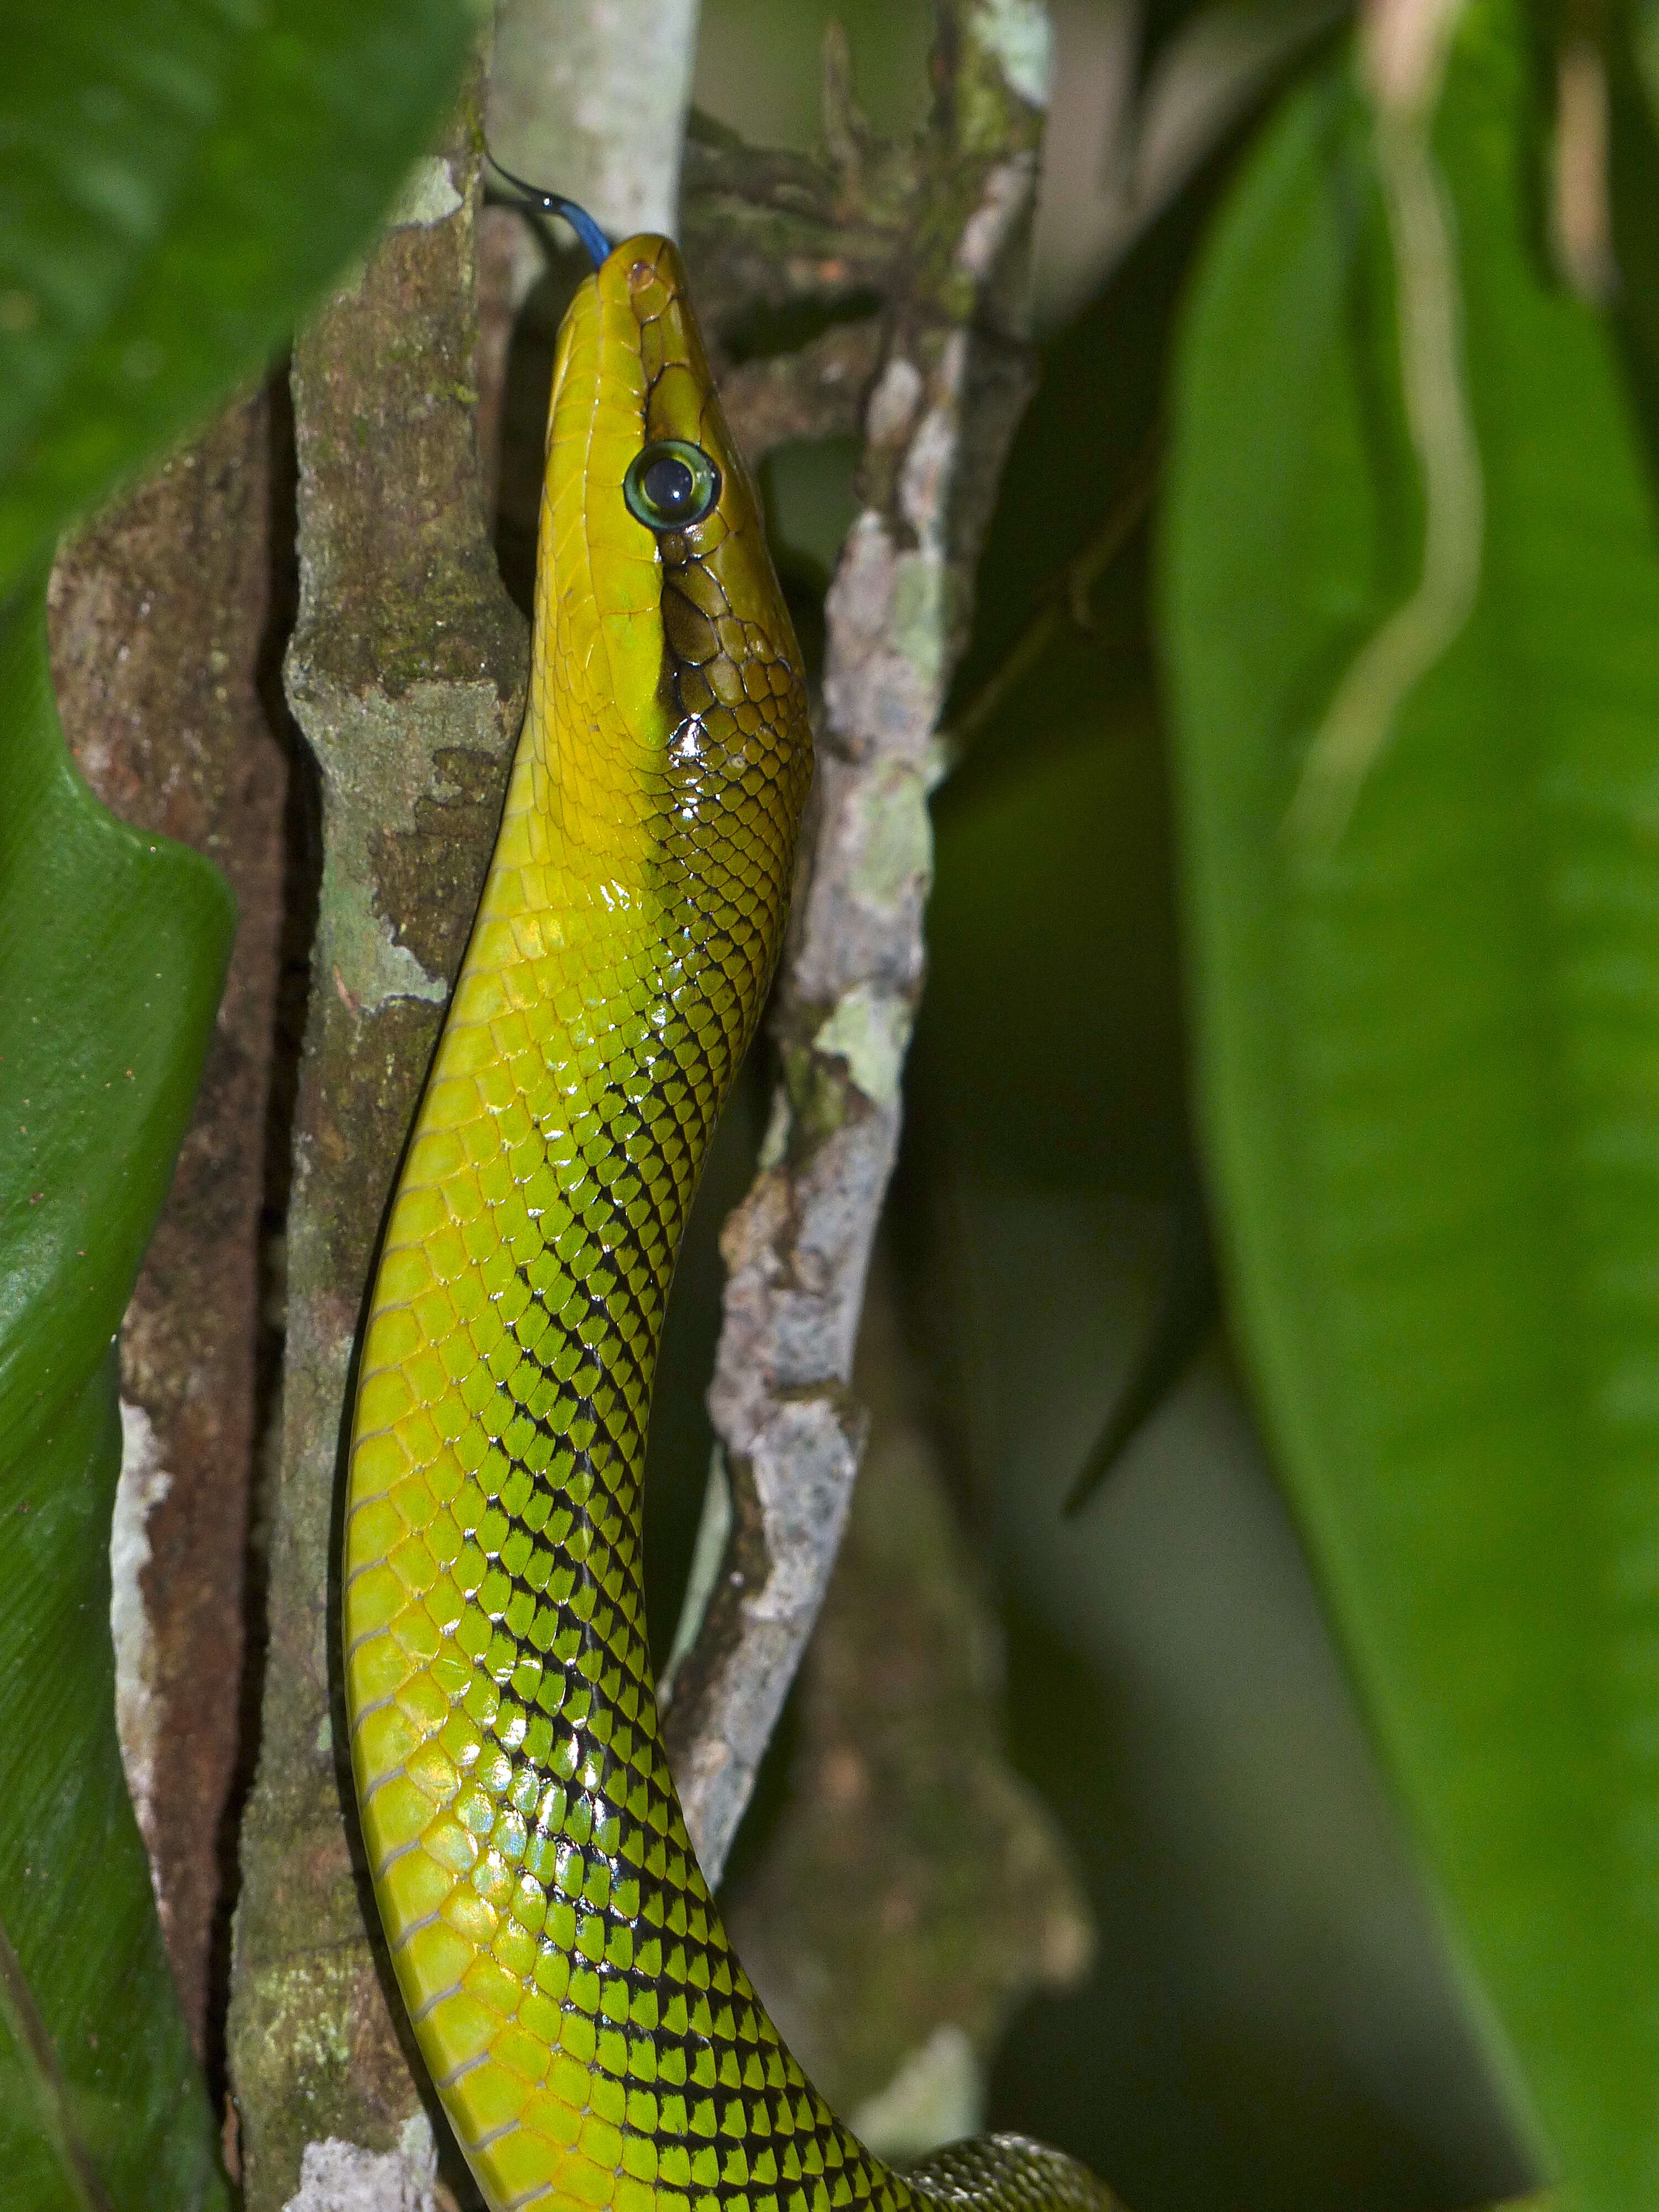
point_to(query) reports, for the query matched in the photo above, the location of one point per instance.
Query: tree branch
(406, 673)
(953, 379)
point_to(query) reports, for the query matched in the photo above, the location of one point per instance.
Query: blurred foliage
(1423, 1073)
(178, 178)
(112, 950)
(1428, 1033)
(1275, 2018)
(176, 182)
(1271, 2020)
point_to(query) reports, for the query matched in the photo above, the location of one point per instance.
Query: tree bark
(158, 614)
(406, 673)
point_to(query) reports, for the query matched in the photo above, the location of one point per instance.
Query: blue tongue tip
(592, 238)
(597, 244)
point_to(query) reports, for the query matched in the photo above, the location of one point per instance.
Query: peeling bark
(953, 381)
(158, 611)
(406, 673)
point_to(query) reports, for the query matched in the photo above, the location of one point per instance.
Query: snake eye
(670, 485)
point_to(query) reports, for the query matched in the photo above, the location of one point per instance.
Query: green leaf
(112, 953)
(178, 179)
(1429, 1038)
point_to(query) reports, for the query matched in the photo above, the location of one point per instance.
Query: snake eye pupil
(671, 484)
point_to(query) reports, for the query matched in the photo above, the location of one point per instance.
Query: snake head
(660, 623)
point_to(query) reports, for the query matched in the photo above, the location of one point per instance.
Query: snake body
(593, 2039)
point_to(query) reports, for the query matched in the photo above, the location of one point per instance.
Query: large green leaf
(178, 178)
(1429, 1043)
(112, 950)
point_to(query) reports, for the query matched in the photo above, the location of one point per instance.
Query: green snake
(593, 2039)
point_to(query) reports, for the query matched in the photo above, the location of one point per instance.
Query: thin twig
(1067, 598)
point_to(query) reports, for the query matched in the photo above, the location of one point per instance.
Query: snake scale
(593, 2039)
